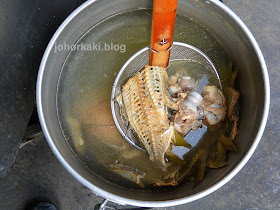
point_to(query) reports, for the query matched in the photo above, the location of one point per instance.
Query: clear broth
(84, 90)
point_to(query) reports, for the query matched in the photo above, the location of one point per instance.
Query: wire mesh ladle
(159, 53)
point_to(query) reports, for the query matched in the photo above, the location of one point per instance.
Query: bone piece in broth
(145, 98)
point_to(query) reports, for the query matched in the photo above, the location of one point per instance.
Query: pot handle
(103, 206)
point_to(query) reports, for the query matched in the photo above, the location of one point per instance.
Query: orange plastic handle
(164, 15)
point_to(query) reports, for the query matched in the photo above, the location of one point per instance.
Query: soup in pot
(84, 96)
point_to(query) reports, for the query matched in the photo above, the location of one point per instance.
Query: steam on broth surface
(84, 90)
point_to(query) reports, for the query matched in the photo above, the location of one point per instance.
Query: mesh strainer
(180, 52)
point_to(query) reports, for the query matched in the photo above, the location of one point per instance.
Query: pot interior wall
(216, 20)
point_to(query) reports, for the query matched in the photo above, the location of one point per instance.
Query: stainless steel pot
(254, 86)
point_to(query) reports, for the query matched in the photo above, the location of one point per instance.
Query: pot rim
(167, 203)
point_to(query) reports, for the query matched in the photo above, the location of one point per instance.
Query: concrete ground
(38, 176)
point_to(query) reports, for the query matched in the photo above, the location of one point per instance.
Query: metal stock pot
(253, 79)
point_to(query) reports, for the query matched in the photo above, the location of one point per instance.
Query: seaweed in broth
(84, 97)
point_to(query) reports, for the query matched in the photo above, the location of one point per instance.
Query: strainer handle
(164, 15)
